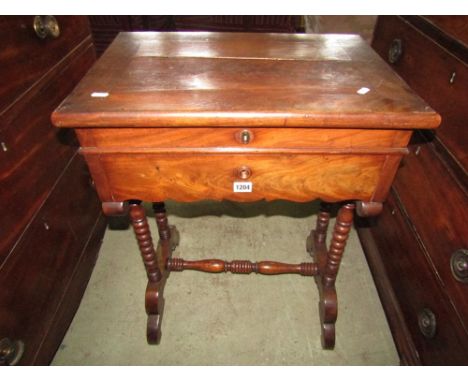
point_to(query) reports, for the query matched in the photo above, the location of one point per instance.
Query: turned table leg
(158, 263)
(154, 261)
(318, 236)
(328, 298)
(153, 296)
(168, 235)
(328, 261)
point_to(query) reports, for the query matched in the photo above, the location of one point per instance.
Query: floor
(226, 319)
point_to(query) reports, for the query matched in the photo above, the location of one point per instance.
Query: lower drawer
(434, 325)
(44, 277)
(300, 177)
(439, 213)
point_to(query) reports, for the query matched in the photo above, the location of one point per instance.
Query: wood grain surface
(410, 247)
(189, 177)
(26, 58)
(198, 79)
(229, 137)
(37, 152)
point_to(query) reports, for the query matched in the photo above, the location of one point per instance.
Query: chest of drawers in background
(51, 224)
(106, 28)
(418, 248)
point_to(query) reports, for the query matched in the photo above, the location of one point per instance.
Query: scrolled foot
(154, 304)
(328, 307)
(328, 336)
(153, 329)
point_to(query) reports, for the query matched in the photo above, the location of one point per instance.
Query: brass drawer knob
(244, 172)
(10, 352)
(46, 26)
(395, 51)
(427, 323)
(459, 265)
(244, 136)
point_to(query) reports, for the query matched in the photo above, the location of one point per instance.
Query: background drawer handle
(46, 26)
(395, 51)
(427, 323)
(10, 352)
(459, 265)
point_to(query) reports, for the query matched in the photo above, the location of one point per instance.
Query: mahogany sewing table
(201, 115)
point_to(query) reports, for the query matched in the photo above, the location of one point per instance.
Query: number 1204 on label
(242, 187)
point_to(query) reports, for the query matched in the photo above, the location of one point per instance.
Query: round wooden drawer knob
(11, 351)
(395, 51)
(427, 323)
(459, 265)
(244, 172)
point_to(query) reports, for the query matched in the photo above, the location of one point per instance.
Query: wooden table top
(181, 79)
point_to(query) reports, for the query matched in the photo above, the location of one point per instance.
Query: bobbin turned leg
(167, 233)
(154, 302)
(329, 270)
(318, 237)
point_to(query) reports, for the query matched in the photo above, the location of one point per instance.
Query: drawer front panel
(24, 57)
(245, 138)
(37, 273)
(455, 26)
(36, 151)
(437, 76)
(438, 208)
(402, 256)
(154, 177)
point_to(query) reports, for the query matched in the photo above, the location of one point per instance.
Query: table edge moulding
(242, 116)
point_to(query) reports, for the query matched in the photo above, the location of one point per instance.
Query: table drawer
(435, 74)
(25, 58)
(188, 177)
(245, 138)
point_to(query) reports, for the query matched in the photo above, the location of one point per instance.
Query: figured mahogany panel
(189, 177)
(212, 79)
(258, 137)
